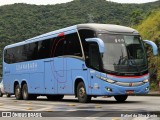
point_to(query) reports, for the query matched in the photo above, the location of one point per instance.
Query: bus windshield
(123, 54)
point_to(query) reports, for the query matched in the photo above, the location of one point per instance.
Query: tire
(25, 94)
(18, 92)
(8, 95)
(121, 98)
(81, 93)
(1, 94)
(55, 97)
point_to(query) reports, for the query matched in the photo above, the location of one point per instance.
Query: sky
(45, 2)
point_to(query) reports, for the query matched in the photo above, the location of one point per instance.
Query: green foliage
(19, 22)
(150, 29)
(154, 86)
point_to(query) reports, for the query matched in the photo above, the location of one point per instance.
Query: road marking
(71, 105)
(29, 108)
(98, 106)
(29, 102)
(115, 118)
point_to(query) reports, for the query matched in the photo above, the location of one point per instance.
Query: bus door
(60, 73)
(50, 80)
(55, 75)
(94, 63)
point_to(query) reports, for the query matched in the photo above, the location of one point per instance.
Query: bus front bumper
(113, 89)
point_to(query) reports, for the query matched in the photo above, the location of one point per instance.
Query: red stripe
(128, 76)
(61, 34)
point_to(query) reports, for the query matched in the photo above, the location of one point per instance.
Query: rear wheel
(121, 98)
(81, 93)
(55, 97)
(18, 92)
(1, 94)
(26, 95)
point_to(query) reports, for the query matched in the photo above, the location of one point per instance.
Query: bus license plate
(129, 92)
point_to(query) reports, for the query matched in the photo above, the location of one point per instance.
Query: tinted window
(58, 46)
(68, 45)
(44, 49)
(84, 33)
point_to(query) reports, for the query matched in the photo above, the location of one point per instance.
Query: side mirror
(153, 45)
(99, 42)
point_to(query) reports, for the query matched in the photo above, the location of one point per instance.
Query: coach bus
(85, 60)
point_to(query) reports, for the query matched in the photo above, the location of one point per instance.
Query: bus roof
(108, 28)
(93, 26)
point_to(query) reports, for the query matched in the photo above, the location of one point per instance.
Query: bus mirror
(153, 45)
(99, 42)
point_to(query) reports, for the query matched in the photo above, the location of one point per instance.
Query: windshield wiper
(122, 60)
(133, 62)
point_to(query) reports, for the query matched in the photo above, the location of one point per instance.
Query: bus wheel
(8, 95)
(18, 92)
(121, 98)
(1, 94)
(55, 97)
(25, 93)
(81, 93)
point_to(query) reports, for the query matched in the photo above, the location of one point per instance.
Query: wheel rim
(25, 93)
(17, 91)
(82, 92)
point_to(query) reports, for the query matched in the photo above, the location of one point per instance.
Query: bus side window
(7, 56)
(44, 49)
(73, 45)
(86, 33)
(59, 47)
(67, 45)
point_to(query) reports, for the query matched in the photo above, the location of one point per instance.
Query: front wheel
(81, 93)
(121, 98)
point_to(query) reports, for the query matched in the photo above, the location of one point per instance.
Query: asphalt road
(147, 107)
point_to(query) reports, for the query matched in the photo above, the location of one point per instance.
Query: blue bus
(85, 60)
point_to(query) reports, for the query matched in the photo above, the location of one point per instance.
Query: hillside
(22, 21)
(150, 28)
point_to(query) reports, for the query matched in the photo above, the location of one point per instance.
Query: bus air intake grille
(129, 84)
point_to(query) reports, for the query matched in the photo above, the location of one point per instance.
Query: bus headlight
(146, 80)
(105, 79)
(108, 80)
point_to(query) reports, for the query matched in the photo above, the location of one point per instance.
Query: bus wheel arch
(22, 83)
(80, 91)
(77, 81)
(17, 91)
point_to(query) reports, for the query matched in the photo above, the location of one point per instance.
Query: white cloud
(132, 1)
(37, 2)
(46, 2)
